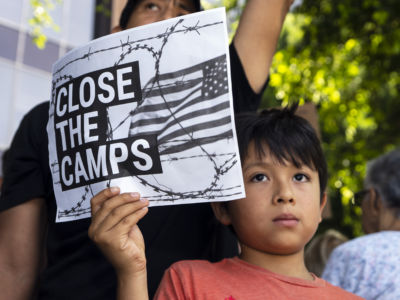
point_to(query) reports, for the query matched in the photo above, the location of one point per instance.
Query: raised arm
(257, 36)
(114, 229)
(21, 249)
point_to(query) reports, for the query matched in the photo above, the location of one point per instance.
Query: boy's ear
(221, 212)
(116, 29)
(323, 202)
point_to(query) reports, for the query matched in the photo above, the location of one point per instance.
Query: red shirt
(235, 279)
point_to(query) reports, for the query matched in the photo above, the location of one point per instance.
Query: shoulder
(364, 257)
(203, 268)
(339, 293)
(183, 277)
(382, 238)
(27, 174)
(41, 110)
(36, 119)
(29, 143)
(31, 132)
(369, 244)
(42, 107)
(352, 246)
(191, 265)
(383, 241)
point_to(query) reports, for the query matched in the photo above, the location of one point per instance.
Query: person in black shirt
(71, 266)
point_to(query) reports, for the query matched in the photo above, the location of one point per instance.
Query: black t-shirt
(76, 269)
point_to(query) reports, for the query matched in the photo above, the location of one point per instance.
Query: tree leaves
(42, 19)
(344, 58)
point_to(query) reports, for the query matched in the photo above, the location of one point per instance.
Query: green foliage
(344, 57)
(103, 8)
(41, 19)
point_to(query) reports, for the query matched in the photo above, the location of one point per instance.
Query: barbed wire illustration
(128, 43)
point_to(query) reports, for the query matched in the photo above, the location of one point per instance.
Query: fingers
(123, 211)
(116, 227)
(106, 205)
(110, 209)
(113, 207)
(97, 201)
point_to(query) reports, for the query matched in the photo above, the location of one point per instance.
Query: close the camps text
(86, 151)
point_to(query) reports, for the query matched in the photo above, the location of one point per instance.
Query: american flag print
(186, 108)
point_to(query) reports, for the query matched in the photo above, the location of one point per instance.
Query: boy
(75, 268)
(285, 177)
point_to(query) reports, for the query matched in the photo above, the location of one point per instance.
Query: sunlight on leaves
(41, 19)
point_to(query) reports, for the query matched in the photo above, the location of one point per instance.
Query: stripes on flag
(186, 108)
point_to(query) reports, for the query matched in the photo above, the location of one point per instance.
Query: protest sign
(149, 110)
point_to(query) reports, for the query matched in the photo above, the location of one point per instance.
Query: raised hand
(114, 229)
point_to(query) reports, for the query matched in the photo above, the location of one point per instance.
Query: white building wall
(25, 71)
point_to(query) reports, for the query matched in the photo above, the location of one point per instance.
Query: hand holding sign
(114, 229)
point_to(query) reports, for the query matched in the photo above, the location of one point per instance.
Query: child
(285, 177)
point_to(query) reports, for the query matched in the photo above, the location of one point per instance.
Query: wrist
(125, 275)
(133, 267)
(132, 285)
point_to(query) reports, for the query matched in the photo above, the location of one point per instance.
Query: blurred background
(341, 57)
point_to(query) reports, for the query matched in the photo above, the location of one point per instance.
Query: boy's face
(150, 11)
(282, 208)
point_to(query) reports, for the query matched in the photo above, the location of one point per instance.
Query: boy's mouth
(286, 220)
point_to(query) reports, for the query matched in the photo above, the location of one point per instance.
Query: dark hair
(131, 5)
(383, 174)
(288, 137)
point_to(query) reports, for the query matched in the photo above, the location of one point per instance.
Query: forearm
(261, 18)
(114, 229)
(133, 287)
(257, 36)
(16, 284)
(21, 249)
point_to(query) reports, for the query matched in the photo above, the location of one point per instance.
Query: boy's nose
(284, 195)
(284, 200)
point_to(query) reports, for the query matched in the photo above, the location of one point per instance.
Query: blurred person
(369, 266)
(320, 248)
(75, 268)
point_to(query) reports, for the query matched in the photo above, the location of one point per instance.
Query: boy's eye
(300, 177)
(259, 178)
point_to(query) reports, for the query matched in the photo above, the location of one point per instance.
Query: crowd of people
(252, 248)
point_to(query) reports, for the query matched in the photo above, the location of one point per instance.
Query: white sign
(149, 110)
